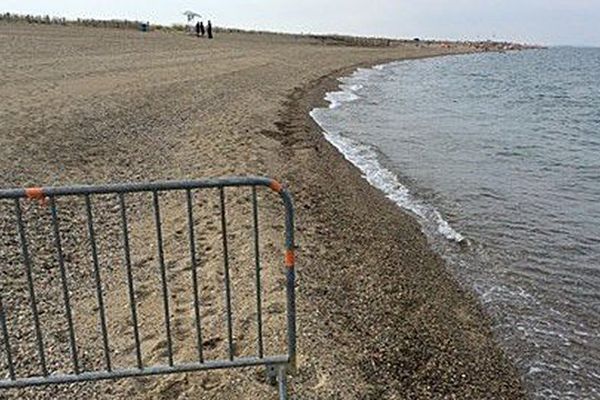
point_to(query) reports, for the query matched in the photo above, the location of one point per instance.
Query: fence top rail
(42, 192)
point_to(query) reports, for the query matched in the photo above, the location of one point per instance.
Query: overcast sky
(553, 22)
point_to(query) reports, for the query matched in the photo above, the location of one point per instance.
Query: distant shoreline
(368, 212)
(331, 39)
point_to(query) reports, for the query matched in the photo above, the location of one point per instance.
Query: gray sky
(553, 22)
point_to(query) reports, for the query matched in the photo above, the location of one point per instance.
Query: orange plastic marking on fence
(36, 193)
(290, 258)
(276, 186)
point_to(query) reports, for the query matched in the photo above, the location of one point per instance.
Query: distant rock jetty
(500, 46)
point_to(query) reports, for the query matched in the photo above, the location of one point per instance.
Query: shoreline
(496, 373)
(368, 160)
(522, 300)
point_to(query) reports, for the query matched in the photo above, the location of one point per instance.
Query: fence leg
(282, 379)
(271, 375)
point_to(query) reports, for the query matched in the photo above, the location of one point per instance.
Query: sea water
(498, 157)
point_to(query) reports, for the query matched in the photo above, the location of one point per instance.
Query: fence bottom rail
(55, 379)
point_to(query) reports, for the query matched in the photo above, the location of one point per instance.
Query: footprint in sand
(159, 349)
(212, 343)
(171, 388)
(142, 292)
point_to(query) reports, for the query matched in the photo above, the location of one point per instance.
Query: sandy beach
(379, 315)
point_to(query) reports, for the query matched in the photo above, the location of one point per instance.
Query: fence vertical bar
(226, 267)
(282, 383)
(290, 276)
(98, 281)
(130, 288)
(30, 287)
(194, 262)
(163, 275)
(257, 274)
(64, 284)
(5, 339)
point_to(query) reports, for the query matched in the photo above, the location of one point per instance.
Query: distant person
(197, 29)
(201, 28)
(209, 30)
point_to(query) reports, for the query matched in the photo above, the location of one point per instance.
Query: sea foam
(365, 158)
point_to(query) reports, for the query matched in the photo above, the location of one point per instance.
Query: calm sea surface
(498, 155)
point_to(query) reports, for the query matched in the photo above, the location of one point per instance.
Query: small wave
(336, 99)
(365, 159)
(356, 87)
(347, 94)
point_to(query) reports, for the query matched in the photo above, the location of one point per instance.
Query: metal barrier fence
(277, 366)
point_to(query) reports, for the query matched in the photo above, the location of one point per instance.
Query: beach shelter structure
(192, 19)
(191, 16)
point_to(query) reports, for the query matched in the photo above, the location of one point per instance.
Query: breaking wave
(366, 159)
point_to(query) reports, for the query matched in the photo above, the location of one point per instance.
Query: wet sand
(379, 316)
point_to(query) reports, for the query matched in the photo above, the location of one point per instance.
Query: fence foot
(271, 375)
(282, 379)
(277, 376)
